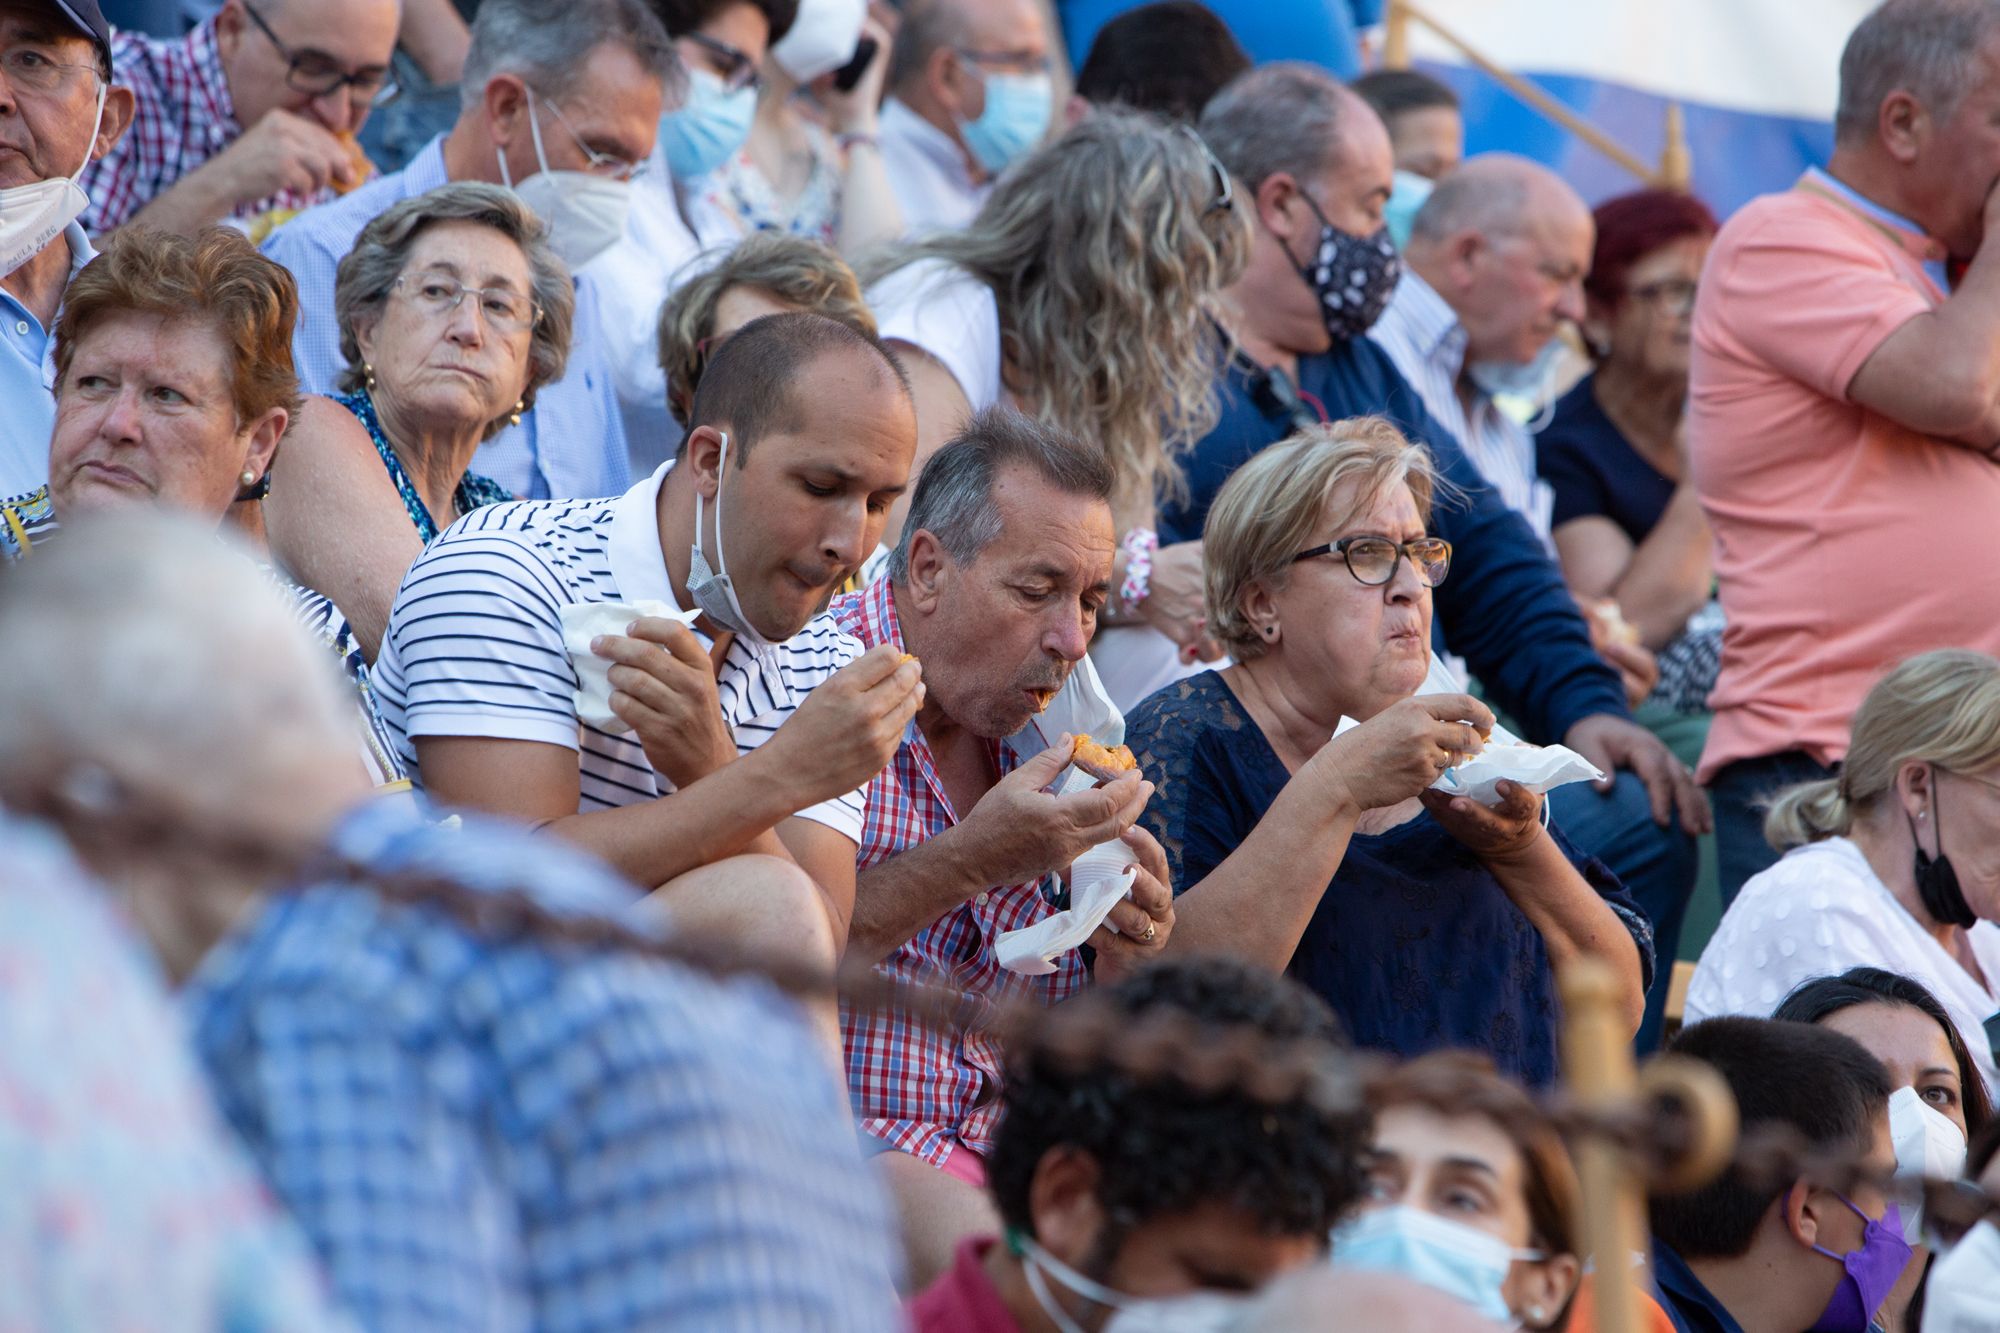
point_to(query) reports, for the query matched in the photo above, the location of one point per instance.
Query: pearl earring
(368, 373)
(1537, 1313)
(249, 478)
(520, 406)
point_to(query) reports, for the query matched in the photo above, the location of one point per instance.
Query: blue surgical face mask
(1446, 1256)
(1524, 392)
(1406, 196)
(1018, 109)
(708, 129)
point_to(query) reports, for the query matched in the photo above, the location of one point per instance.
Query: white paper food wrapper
(1102, 875)
(584, 621)
(1539, 768)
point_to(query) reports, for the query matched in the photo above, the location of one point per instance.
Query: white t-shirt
(939, 308)
(475, 643)
(927, 173)
(1820, 911)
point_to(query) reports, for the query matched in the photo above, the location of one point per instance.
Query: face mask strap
(96, 124)
(1037, 1260)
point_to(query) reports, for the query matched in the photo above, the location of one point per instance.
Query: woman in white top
(1081, 294)
(1879, 872)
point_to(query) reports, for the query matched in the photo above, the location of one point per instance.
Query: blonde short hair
(1941, 708)
(1267, 511)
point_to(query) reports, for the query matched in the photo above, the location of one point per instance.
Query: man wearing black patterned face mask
(1312, 165)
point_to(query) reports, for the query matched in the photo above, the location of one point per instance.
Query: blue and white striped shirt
(499, 1133)
(571, 443)
(1422, 335)
(475, 643)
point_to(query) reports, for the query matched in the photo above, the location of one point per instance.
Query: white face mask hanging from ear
(35, 214)
(714, 595)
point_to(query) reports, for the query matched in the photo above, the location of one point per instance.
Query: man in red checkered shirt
(254, 110)
(1004, 563)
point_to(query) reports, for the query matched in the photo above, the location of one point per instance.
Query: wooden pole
(1396, 36)
(1597, 1065)
(1676, 163)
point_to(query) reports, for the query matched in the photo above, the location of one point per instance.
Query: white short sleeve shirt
(475, 646)
(948, 313)
(1819, 911)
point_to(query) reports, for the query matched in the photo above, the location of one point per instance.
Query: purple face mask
(1871, 1271)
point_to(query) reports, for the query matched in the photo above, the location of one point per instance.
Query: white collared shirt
(928, 171)
(475, 643)
(1423, 336)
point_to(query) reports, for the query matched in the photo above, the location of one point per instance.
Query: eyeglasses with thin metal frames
(601, 164)
(316, 72)
(1430, 557)
(506, 311)
(738, 69)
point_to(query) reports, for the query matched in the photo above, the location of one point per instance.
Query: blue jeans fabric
(1657, 864)
(1738, 793)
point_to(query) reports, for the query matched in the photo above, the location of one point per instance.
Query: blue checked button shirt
(569, 445)
(508, 1136)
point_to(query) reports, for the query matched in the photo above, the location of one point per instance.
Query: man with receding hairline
(969, 93)
(255, 109)
(730, 775)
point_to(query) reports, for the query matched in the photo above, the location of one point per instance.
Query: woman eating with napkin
(1426, 920)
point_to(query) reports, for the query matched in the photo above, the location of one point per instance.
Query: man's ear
(119, 106)
(1801, 1212)
(506, 102)
(701, 455)
(928, 565)
(1902, 123)
(1277, 197)
(1062, 1204)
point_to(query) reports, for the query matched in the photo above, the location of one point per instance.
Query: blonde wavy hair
(1105, 250)
(1269, 507)
(1942, 708)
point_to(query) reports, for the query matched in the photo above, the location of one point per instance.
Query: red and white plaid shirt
(930, 1092)
(183, 116)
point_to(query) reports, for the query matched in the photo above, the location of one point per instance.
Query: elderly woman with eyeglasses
(1425, 920)
(453, 312)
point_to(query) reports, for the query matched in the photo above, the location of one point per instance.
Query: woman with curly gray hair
(453, 312)
(1081, 294)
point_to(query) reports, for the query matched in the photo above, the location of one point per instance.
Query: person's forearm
(1257, 903)
(869, 216)
(1573, 919)
(897, 898)
(732, 810)
(436, 38)
(199, 199)
(1670, 574)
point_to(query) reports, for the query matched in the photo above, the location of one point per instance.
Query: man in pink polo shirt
(1844, 410)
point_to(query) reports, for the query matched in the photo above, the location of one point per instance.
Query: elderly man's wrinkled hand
(848, 728)
(1019, 832)
(1142, 924)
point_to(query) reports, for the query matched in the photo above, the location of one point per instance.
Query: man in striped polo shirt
(754, 731)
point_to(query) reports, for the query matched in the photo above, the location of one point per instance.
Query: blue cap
(89, 20)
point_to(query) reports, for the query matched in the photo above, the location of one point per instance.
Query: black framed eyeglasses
(1372, 560)
(735, 67)
(1225, 188)
(318, 73)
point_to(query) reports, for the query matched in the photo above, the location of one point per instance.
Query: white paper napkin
(584, 621)
(1102, 875)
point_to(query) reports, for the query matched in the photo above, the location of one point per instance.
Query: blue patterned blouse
(473, 490)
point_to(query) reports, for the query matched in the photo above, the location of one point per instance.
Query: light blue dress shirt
(570, 445)
(27, 391)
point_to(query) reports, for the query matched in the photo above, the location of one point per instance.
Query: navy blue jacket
(1504, 608)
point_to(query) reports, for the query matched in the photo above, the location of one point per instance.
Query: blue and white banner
(1756, 80)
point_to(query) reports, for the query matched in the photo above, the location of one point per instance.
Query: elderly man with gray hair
(995, 585)
(1844, 409)
(561, 103)
(461, 1062)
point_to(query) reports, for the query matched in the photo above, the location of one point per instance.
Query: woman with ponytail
(1892, 863)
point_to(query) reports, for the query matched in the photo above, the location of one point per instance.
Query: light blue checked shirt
(503, 1135)
(570, 445)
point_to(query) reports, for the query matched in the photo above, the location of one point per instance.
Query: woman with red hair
(1627, 526)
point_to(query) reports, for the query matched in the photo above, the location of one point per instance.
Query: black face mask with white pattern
(1353, 276)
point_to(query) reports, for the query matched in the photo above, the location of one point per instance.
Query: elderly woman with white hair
(1425, 920)
(462, 1064)
(1876, 872)
(453, 313)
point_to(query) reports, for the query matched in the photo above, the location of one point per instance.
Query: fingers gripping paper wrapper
(582, 622)
(1505, 758)
(1101, 876)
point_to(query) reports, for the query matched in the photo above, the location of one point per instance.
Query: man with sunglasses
(256, 109)
(970, 93)
(58, 112)
(561, 102)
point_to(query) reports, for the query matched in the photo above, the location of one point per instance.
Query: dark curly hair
(1161, 1149)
